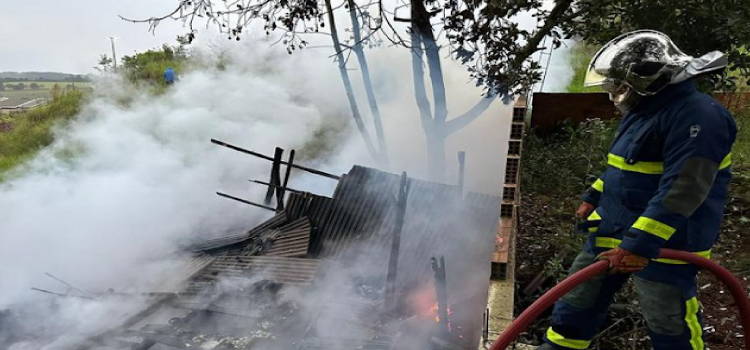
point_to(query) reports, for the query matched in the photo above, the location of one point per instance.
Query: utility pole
(114, 56)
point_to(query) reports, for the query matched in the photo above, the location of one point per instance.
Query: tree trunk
(423, 40)
(365, 69)
(348, 84)
(433, 131)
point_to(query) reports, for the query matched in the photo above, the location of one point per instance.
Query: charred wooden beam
(68, 285)
(263, 156)
(438, 266)
(275, 177)
(61, 294)
(278, 187)
(282, 190)
(246, 201)
(390, 291)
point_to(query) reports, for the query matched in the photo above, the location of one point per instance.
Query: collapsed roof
(316, 275)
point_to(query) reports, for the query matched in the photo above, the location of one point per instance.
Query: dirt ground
(546, 247)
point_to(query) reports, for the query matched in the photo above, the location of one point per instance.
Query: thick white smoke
(143, 174)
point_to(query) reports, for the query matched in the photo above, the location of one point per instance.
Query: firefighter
(169, 76)
(665, 186)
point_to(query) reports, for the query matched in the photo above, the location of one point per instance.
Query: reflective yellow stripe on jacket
(726, 162)
(607, 242)
(598, 185)
(594, 217)
(706, 254)
(646, 167)
(654, 227)
(638, 167)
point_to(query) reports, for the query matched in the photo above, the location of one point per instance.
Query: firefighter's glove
(584, 210)
(623, 261)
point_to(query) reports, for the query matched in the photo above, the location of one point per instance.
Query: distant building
(8, 106)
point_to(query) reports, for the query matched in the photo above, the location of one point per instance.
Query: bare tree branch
(472, 114)
(348, 85)
(367, 81)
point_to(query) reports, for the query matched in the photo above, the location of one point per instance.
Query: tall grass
(28, 132)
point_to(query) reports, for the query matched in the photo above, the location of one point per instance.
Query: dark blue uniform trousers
(672, 312)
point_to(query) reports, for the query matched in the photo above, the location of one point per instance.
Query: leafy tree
(18, 87)
(499, 53)
(2, 87)
(696, 26)
(105, 64)
(34, 86)
(370, 25)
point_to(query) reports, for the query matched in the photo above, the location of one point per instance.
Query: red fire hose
(533, 311)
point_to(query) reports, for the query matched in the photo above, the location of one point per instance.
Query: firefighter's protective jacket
(665, 185)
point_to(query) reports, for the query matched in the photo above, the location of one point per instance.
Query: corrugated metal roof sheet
(175, 279)
(292, 240)
(225, 242)
(276, 269)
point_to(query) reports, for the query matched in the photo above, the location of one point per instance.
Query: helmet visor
(599, 71)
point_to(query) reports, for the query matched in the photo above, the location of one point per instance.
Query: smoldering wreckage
(386, 262)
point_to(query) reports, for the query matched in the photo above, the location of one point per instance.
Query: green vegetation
(22, 135)
(741, 153)
(582, 149)
(148, 67)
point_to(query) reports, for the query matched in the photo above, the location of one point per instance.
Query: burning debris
(351, 271)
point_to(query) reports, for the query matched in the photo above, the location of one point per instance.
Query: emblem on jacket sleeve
(694, 130)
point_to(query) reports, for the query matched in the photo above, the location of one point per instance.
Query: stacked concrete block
(504, 241)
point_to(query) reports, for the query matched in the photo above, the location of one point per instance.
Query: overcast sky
(69, 35)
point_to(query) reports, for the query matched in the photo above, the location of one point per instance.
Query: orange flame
(434, 311)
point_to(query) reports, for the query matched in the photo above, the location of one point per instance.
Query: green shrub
(569, 161)
(148, 67)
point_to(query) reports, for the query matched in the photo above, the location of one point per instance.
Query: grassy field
(48, 85)
(17, 97)
(23, 135)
